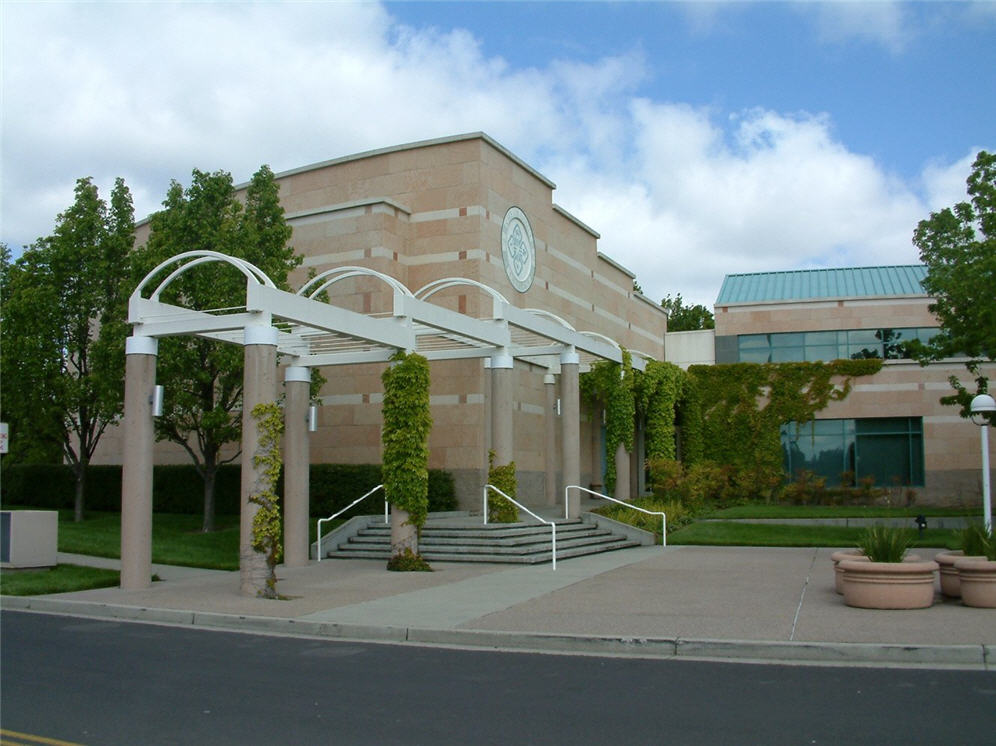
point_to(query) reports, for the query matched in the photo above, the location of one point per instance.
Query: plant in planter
(885, 580)
(977, 575)
(973, 546)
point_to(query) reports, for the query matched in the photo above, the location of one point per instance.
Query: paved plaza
(733, 603)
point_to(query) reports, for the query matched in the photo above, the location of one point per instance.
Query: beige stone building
(892, 426)
(466, 207)
(430, 210)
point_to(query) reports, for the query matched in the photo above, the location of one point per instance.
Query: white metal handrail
(553, 526)
(336, 515)
(620, 502)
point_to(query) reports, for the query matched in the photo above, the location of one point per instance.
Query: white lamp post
(981, 404)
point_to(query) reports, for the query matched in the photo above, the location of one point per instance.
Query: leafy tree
(682, 318)
(64, 309)
(202, 378)
(958, 245)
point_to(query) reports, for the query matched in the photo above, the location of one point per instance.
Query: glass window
(888, 449)
(788, 354)
(864, 343)
(783, 347)
(822, 353)
(753, 341)
(754, 348)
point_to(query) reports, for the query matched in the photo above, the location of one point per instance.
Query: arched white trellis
(321, 334)
(251, 271)
(326, 279)
(313, 333)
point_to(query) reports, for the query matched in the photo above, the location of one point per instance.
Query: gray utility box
(29, 538)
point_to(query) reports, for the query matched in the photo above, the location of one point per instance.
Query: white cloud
(681, 194)
(878, 21)
(697, 200)
(944, 183)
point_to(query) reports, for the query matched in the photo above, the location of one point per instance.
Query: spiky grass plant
(885, 543)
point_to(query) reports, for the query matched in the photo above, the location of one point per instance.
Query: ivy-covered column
(570, 421)
(405, 435)
(297, 456)
(136, 471)
(258, 387)
(621, 491)
(550, 439)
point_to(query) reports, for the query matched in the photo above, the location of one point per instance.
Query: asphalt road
(101, 683)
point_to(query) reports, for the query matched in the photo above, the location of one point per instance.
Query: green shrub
(334, 486)
(501, 510)
(407, 561)
(695, 485)
(885, 543)
(677, 514)
(179, 489)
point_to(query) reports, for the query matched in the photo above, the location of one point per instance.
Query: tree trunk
(210, 474)
(80, 491)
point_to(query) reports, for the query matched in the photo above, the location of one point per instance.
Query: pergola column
(621, 491)
(550, 438)
(136, 471)
(596, 448)
(502, 404)
(570, 421)
(258, 387)
(489, 397)
(297, 457)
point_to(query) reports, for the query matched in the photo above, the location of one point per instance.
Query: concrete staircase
(464, 538)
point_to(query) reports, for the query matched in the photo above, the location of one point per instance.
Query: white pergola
(309, 333)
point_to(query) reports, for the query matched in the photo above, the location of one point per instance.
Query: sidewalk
(730, 603)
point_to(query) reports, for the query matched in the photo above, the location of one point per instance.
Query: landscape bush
(177, 488)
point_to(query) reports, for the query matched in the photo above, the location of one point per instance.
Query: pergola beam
(317, 315)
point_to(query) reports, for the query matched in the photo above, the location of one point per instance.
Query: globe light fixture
(981, 405)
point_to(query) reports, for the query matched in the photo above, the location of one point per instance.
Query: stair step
(475, 541)
(468, 539)
(491, 531)
(361, 542)
(527, 559)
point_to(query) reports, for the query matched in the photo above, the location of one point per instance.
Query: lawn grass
(728, 533)
(763, 510)
(176, 539)
(58, 579)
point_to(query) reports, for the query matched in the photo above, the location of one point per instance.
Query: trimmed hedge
(334, 486)
(179, 489)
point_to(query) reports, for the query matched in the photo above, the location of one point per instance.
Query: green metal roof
(810, 284)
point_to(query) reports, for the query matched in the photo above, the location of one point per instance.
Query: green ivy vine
(657, 391)
(743, 405)
(266, 523)
(407, 422)
(612, 384)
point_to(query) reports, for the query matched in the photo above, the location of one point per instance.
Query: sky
(698, 139)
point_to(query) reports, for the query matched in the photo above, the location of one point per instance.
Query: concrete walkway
(730, 603)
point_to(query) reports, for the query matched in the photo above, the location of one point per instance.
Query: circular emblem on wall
(518, 250)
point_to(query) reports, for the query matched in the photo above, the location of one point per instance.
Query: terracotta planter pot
(857, 556)
(978, 582)
(950, 583)
(838, 572)
(888, 585)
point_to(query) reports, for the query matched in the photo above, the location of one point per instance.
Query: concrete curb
(970, 657)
